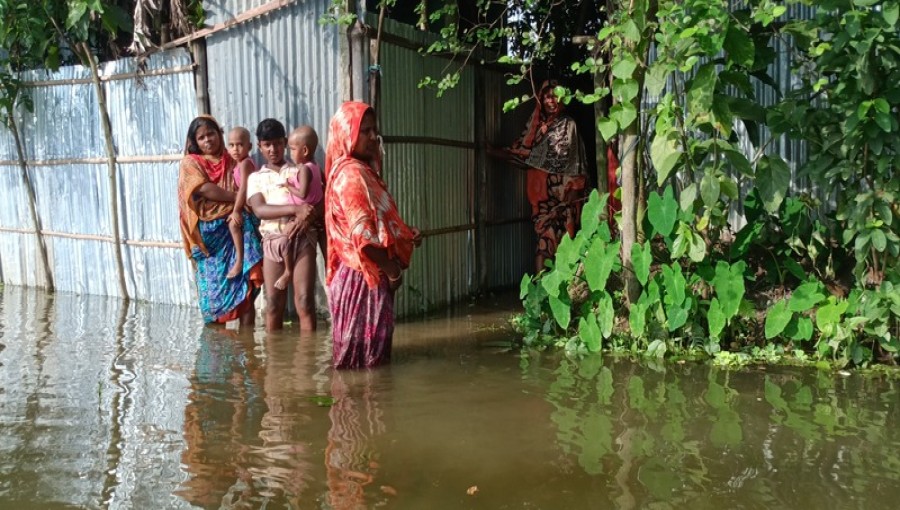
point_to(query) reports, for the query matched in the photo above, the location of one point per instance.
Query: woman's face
(549, 102)
(366, 147)
(209, 140)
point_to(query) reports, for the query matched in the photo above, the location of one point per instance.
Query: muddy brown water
(108, 406)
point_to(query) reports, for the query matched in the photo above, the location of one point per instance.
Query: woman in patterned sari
(206, 194)
(369, 245)
(552, 153)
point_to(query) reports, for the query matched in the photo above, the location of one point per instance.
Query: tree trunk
(111, 170)
(630, 150)
(32, 205)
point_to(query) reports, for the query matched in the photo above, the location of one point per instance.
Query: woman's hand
(396, 282)
(417, 237)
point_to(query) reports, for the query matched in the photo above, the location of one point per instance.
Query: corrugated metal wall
(282, 65)
(149, 116)
(431, 168)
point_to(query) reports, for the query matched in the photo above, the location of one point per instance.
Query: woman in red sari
(553, 155)
(206, 195)
(369, 245)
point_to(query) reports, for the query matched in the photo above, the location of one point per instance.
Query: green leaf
(829, 315)
(551, 282)
(739, 162)
(524, 286)
(776, 319)
(686, 200)
(674, 283)
(656, 78)
(662, 211)
(624, 67)
(804, 329)
(701, 89)
(599, 262)
(606, 315)
(665, 155)
(631, 31)
(773, 178)
(710, 189)
(739, 46)
(591, 213)
(641, 258)
(729, 284)
(879, 241)
(884, 121)
(677, 317)
(637, 319)
(805, 297)
(716, 319)
(78, 10)
(745, 238)
(891, 13)
(624, 114)
(562, 310)
(608, 128)
(589, 332)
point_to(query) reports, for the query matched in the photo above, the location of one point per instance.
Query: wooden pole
(480, 180)
(375, 67)
(32, 205)
(201, 75)
(111, 173)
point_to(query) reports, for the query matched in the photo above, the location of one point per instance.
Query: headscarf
(537, 125)
(195, 171)
(550, 142)
(342, 134)
(359, 211)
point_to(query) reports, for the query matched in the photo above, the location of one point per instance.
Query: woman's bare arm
(215, 193)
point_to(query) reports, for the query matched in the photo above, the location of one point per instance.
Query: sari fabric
(556, 177)
(359, 212)
(207, 240)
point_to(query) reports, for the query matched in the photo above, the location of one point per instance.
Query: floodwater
(105, 406)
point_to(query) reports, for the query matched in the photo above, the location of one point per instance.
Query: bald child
(238, 145)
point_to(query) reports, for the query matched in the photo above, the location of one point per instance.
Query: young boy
(239, 148)
(283, 227)
(305, 187)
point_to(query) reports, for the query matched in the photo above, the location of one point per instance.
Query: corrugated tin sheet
(149, 116)
(283, 65)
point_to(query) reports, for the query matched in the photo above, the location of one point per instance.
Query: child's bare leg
(305, 287)
(237, 237)
(285, 278)
(275, 298)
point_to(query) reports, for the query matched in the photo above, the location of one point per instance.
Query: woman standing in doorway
(552, 153)
(369, 245)
(206, 195)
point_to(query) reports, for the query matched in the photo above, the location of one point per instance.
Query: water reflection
(699, 436)
(105, 406)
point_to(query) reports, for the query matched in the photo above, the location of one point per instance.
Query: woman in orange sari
(553, 155)
(369, 245)
(206, 195)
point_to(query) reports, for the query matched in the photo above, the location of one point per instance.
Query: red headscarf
(359, 211)
(342, 135)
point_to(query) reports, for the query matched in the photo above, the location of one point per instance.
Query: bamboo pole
(32, 206)
(111, 159)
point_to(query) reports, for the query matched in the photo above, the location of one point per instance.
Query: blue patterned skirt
(220, 297)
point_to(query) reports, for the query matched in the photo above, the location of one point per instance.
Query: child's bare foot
(283, 281)
(235, 269)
